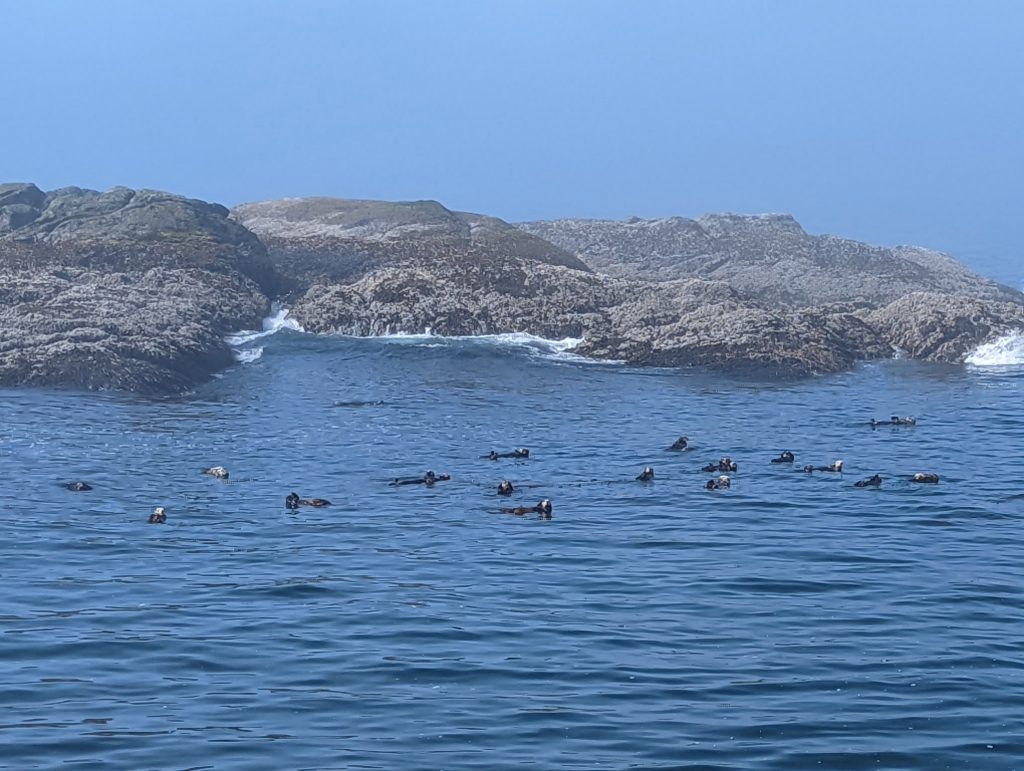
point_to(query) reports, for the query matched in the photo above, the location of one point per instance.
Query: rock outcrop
(126, 289)
(136, 290)
(313, 239)
(767, 257)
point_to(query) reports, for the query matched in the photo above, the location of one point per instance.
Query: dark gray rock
(766, 257)
(314, 239)
(126, 289)
(942, 327)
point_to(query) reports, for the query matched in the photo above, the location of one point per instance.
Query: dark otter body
(925, 479)
(895, 420)
(875, 481)
(835, 468)
(543, 508)
(724, 464)
(521, 453)
(78, 487)
(293, 501)
(646, 475)
(680, 444)
(785, 457)
(505, 488)
(427, 479)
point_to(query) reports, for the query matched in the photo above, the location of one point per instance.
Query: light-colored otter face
(723, 480)
(838, 465)
(545, 505)
(918, 476)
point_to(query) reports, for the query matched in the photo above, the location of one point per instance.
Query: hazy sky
(893, 122)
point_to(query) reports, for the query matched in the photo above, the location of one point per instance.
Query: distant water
(791, 622)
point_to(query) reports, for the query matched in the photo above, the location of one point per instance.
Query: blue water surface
(791, 622)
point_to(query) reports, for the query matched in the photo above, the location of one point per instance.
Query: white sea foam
(249, 355)
(275, 322)
(1007, 351)
(558, 350)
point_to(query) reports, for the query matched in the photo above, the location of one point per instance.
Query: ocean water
(793, 621)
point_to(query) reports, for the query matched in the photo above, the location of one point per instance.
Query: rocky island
(135, 290)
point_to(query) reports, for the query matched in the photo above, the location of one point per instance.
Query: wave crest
(275, 322)
(557, 350)
(1007, 351)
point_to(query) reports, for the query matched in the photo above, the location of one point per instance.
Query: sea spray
(554, 349)
(1006, 351)
(275, 322)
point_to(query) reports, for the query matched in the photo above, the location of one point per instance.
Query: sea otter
(78, 487)
(680, 444)
(875, 481)
(427, 479)
(895, 420)
(722, 483)
(543, 508)
(926, 479)
(646, 475)
(785, 457)
(522, 452)
(158, 517)
(216, 471)
(505, 488)
(293, 501)
(836, 468)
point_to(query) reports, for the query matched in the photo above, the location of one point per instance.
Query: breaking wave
(558, 350)
(1007, 351)
(272, 324)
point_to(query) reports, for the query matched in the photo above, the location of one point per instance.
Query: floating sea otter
(158, 517)
(925, 479)
(216, 471)
(78, 487)
(875, 481)
(646, 475)
(895, 420)
(722, 483)
(682, 443)
(505, 488)
(785, 457)
(522, 452)
(836, 468)
(427, 479)
(724, 464)
(293, 501)
(543, 508)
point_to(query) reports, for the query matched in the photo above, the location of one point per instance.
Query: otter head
(723, 480)
(919, 477)
(648, 471)
(523, 452)
(838, 465)
(544, 506)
